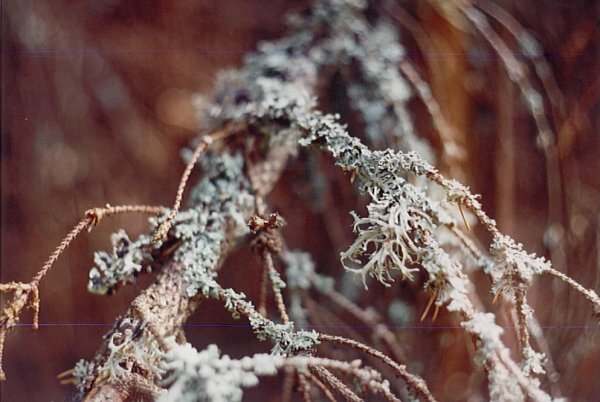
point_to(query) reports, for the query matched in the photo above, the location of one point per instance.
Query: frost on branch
(208, 376)
(449, 283)
(486, 329)
(514, 267)
(195, 376)
(533, 362)
(301, 276)
(286, 340)
(83, 374)
(284, 337)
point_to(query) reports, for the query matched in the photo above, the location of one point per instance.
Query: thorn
(65, 373)
(435, 312)
(429, 303)
(496, 296)
(463, 217)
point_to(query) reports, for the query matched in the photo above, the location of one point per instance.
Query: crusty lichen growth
(219, 200)
(121, 266)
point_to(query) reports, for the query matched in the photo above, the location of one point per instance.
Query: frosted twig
(589, 294)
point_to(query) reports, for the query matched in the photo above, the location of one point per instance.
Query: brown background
(96, 103)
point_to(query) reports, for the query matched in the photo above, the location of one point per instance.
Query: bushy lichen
(385, 236)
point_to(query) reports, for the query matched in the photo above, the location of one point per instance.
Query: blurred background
(97, 103)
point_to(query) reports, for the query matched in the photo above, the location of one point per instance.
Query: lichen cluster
(406, 231)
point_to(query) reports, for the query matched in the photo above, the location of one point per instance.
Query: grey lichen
(219, 200)
(387, 233)
(284, 337)
(121, 266)
(83, 375)
(274, 94)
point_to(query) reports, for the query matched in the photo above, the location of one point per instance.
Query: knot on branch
(95, 215)
(266, 231)
(23, 295)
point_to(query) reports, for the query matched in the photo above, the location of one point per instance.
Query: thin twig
(288, 385)
(304, 387)
(589, 294)
(324, 389)
(326, 376)
(540, 64)
(370, 319)
(89, 221)
(205, 141)
(264, 288)
(276, 290)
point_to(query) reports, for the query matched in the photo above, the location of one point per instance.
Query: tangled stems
(264, 328)
(412, 381)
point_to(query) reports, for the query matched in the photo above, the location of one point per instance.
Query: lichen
(121, 266)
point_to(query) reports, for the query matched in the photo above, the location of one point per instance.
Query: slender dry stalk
(532, 51)
(369, 319)
(589, 294)
(287, 387)
(205, 142)
(304, 387)
(324, 388)
(264, 288)
(268, 258)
